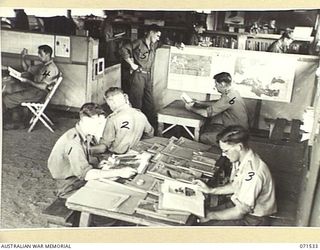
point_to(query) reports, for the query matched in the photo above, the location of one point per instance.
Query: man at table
(124, 127)
(36, 81)
(69, 161)
(229, 110)
(251, 185)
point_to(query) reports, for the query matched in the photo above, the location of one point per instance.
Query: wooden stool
(58, 215)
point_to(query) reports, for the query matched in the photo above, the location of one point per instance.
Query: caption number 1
(250, 175)
(232, 100)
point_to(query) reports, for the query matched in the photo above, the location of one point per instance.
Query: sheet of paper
(14, 73)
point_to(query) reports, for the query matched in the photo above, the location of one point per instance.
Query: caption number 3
(250, 175)
(125, 125)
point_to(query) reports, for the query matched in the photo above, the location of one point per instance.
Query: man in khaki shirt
(124, 127)
(230, 109)
(251, 185)
(69, 162)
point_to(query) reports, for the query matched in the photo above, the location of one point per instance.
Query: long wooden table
(136, 218)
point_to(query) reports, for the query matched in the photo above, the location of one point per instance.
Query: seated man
(124, 127)
(69, 162)
(229, 110)
(251, 185)
(39, 79)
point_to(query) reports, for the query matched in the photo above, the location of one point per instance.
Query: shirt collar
(48, 62)
(80, 133)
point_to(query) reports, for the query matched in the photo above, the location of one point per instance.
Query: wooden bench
(58, 215)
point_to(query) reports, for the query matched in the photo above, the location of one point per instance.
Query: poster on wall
(264, 77)
(190, 69)
(62, 46)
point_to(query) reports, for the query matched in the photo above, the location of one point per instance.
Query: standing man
(282, 45)
(38, 80)
(251, 185)
(69, 162)
(194, 39)
(140, 55)
(229, 110)
(124, 127)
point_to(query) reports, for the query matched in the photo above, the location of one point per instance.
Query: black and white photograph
(96, 123)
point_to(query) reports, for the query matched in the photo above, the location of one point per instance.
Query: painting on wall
(264, 77)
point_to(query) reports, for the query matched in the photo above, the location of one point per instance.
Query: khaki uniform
(230, 109)
(141, 87)
(69, 162)
(124, 128)
(254, 186)
(42, 73)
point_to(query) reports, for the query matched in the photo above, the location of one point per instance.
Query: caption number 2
(125, 125)
(250, 175)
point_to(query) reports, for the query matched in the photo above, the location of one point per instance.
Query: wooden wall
(78, 85)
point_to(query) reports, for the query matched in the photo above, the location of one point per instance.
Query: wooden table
(176, 114)
(138, 219)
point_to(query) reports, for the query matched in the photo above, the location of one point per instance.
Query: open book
(182, 197)
(186, 98)
(14, 73)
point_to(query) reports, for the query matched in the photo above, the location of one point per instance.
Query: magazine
(182, 196)
(14, 73)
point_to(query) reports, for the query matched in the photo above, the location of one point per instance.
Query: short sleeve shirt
(69, 157)
(124, 128)
(254, 186)
(45, 73)
(232, 109)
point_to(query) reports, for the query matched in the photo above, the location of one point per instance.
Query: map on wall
(266, 76)
(190, 69)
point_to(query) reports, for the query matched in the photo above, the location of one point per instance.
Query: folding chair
(38, 108)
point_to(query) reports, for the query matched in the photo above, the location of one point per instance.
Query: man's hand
(204, 219)
(202, 186)
(134, 66)
(189, 105)
(25, 80)
(127, 172)
(24, 52)
(180, 45)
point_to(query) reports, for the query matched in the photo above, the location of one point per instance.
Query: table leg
(160, 128)
(196, 134)
(85, 219)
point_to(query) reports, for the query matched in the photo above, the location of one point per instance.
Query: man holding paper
(38, 79)
(229, 110)
(251, 185)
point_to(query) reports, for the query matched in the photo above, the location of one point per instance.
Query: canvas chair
(38, 109)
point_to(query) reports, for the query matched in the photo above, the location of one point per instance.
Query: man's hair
(90, 109)
(287, 34)
(223, 77)
(153, 27)
(234, 134)
(112, 91)
(46, 49)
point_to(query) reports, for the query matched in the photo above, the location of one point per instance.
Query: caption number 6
(250, 175)
(232, 100)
